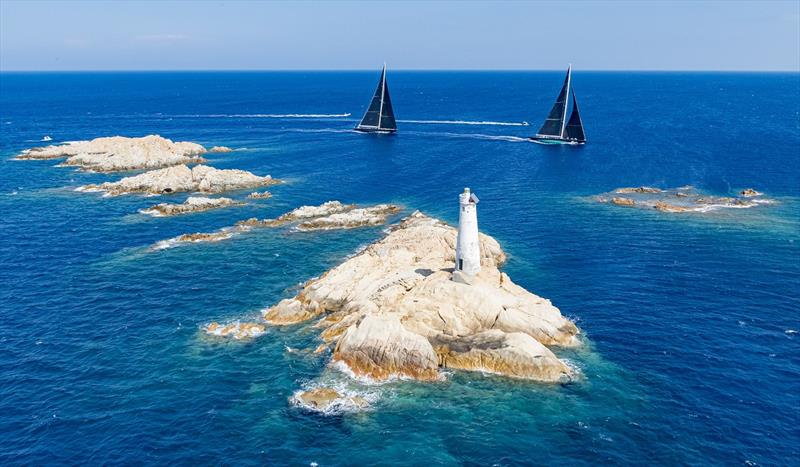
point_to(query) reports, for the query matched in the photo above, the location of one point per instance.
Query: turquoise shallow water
(691, 320)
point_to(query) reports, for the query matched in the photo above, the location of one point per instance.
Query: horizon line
(333, 70)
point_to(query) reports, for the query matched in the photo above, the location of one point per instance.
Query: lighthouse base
(463, 278)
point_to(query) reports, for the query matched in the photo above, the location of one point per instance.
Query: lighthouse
(468, 251)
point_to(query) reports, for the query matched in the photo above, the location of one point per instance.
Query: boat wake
(509, 138)
(343, 115)
(464, 122)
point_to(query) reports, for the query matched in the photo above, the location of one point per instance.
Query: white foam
(344, 404)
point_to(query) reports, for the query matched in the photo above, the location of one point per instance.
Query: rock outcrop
(749, 193)
(639, 189)
(118, 153)
(393, 311)
(259, 195)
(327, 399)
(220, 149)
(200, 178)
(684, 199)
(359, 217)
(328, 216)
(192, 204)
(622, 201)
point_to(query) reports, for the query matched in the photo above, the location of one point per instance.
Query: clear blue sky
(617, 35)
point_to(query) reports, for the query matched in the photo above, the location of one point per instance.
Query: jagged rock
(118, 153)
(235, 330)
(192, 204)
(181, 178)
(259, 195)
(749, 192)
(640, 189)
(220, 149)
(390, 307)
(623, 201)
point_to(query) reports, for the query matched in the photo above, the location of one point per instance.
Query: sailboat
(556, 129)
(379, 117)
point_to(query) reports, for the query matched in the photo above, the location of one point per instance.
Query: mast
(553, 126)
(566, 101)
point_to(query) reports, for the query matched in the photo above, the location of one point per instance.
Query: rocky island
(118, 153)
(180, 178)
(191, 205)
(685, 199)
(394, 310)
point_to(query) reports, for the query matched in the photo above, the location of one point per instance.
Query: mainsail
(574, 128)
(554, 123)
(379, 115)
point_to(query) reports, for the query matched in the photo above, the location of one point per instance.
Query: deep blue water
(692, 352)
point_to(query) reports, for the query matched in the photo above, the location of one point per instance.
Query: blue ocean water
(691, 320)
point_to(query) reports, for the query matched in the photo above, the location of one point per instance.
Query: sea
(690, 321)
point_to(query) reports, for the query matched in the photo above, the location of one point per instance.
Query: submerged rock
(393, 310)
(118, 153)
(192, 204)
(181, 178)
(235, 330)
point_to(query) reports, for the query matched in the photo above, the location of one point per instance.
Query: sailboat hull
(569, 142)
(379, 131)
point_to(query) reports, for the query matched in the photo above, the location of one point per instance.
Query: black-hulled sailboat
(379, 117)
(556, 129)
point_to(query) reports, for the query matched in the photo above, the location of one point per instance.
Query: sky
(253, 35)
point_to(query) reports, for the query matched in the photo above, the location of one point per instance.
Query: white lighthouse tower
(468, 251)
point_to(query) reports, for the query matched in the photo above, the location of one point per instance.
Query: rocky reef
(327, 216)
(180, 178)
(191, 205)
(358, 217)
(118, 153)
(393, 311)
(685, 199)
